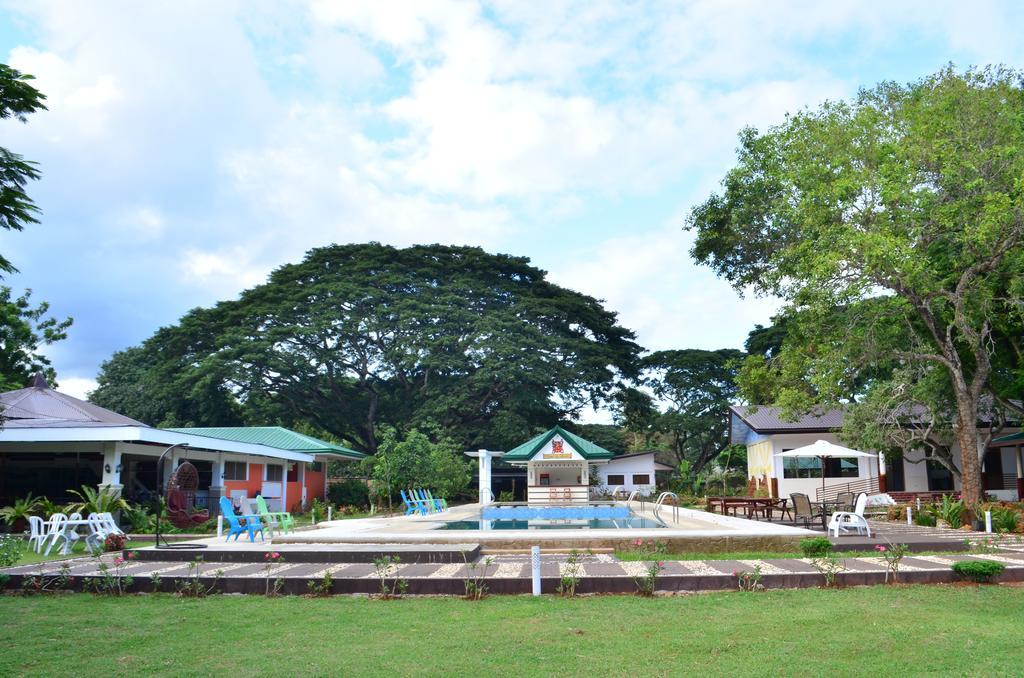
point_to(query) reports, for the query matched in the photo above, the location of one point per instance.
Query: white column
(216, 483)
(112, 468)
(300, 474)
(485, 477)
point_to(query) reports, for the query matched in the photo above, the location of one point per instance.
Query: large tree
(480, 346)
(694, 387)
(18, 98)
(24, 330)
(892, 226)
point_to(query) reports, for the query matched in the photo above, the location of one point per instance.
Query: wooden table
(750, 505)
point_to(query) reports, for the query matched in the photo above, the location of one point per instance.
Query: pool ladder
(635, 494)
(661, 500)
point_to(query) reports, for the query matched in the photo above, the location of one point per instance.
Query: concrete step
(315, 553)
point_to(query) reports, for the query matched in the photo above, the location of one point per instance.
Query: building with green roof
(277, 436)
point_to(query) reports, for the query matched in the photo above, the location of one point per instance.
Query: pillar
(485, 477)
(216, 484)
(882, 486)
(1020, 474)
(300, 475)
(111, 480)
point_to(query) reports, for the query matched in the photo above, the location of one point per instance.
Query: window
(236, 470)
(274, 473)
(801, 467)
(293, 473)
(315, 467)
(616, 479)
(641, 479)
(837, 467)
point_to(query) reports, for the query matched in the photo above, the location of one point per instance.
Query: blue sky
(191, 147)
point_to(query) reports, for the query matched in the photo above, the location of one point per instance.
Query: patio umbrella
(823, 449)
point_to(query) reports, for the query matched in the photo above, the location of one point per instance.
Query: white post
(535, 560)
(220, 524)
(910, 518)
(330, 511)
(485, 477)
(988, 521)
(919, 504)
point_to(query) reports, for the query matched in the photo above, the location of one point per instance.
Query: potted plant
(16, 515)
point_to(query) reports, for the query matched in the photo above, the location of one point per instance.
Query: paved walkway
(511, 573)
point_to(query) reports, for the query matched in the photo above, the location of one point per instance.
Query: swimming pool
(600, 517)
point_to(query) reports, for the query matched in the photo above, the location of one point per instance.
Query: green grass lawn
(906, 630)
(28, 557)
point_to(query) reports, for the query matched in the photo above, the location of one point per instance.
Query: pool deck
(685, 530)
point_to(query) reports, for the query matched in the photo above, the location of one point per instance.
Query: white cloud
(76, 387)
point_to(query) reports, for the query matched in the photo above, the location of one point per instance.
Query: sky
(192, 147)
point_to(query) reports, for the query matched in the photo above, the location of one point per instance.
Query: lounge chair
(851, 520)
(275, 519)
(413, 504)
(441, 504)
(111, 524)
(60, 531)
(235, 526)
(802, 509)
(434, 505)
(98, 531)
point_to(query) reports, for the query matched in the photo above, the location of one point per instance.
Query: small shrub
(646, 582)
(924, 519)
(829, 566)
(271, 559)
(981, 571)
(571, 575)
(506, 496)
(155, 581)
(476, 582)
(951, 510)
(750, 580)
(387, 567)
(192, 587)
(114, 542)
(1004, 519)
(11, 549)
(815, 547)
(322, 588)
(893, 554)
(48, 583)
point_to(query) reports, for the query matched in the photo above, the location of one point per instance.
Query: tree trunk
(967, 436)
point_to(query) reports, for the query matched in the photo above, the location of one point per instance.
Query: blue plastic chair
(441, 504)
(410, 505)
(235, 527)
(433, 505)
(414, 503)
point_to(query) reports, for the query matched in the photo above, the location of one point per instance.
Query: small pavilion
(557, 467)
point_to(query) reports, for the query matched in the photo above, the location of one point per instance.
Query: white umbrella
(823, 449)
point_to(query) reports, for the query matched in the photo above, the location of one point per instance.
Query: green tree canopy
(24, 330)
(695, 388)
(481, 346)
(414, 462)
(892, 227)
(18, 98)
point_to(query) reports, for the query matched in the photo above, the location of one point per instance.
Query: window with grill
(236, 470)
(616, 479)
(641, 479)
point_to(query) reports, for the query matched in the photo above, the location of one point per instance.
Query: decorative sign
(557, 450)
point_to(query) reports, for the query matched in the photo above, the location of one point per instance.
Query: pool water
(592, 517)
(632, 522)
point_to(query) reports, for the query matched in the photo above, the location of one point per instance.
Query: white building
(765, 433)
(631, 472)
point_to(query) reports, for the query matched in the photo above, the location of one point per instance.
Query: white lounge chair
(111, 524)
(98, 531)
(36, 533)
(850, 520)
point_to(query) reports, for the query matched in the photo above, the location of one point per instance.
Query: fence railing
(831, 492)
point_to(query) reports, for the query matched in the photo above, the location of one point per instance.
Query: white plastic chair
(855, 520)
(36, 533)
(57, 524)
(94, 541)
(111, 525)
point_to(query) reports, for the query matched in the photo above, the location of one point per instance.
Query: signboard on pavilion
(557, 449)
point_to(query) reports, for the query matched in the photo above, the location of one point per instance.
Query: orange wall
(315, 484)
(252, 486)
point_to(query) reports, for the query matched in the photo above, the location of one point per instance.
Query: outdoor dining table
(750, 505)
(834, 504)
(69, 527)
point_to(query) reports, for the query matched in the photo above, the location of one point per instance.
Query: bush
(11, 548)
(815, 547)
(1004, 519)
(349, 492)
(114, 542)
(981, 571)
(951, 510)
(925, 519)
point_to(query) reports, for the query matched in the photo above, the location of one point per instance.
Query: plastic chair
(98, 531)
(36, 533)
(851, 520)
(57, 532)
(235, 526)
(274, 519)
(412, 505)
(442, 505)
(111, 525)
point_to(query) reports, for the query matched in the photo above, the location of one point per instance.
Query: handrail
(635, 494)
(675, 505)
(615, 492)
(831, 492)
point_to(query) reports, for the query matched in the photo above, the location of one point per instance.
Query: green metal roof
(585, 448)
(273, 436)
(1012, 438)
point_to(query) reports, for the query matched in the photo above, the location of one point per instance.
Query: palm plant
(20, 509)
(48, 507)
(95, 500)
